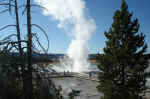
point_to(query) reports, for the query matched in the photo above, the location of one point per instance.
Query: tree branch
(9, 36)
(44, 34)
(7, 27)
(7, 4)
(3, 11)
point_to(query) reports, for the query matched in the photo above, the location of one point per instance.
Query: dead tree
(27, 68)
(28, 80)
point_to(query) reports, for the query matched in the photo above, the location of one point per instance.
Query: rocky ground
(85, 87)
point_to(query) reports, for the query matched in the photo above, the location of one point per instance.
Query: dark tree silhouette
(123, 65)
(19, 77)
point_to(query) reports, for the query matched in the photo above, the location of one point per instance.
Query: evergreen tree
(123, 63)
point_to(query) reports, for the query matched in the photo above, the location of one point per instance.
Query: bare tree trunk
(18, 29)
(28, 84)
(22, 63)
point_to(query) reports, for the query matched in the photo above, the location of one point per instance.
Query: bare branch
(7, 4)
(35, 49)
(3, 11)
(43, 32)
(3, 42)
(6, 47)
(37, 39)
(13, 46)
(32, 5)
(9, 36)
(9, 42)
(24, 10)
(7, 27)
(35, 5)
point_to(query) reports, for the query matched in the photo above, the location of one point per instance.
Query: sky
(101, 11)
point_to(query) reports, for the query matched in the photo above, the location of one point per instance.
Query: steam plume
(71, 15)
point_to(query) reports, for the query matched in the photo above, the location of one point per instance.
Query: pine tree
(123, 64)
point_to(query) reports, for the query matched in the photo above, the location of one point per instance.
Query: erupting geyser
(71, 15)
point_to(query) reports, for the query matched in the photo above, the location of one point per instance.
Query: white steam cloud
(71, 16)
